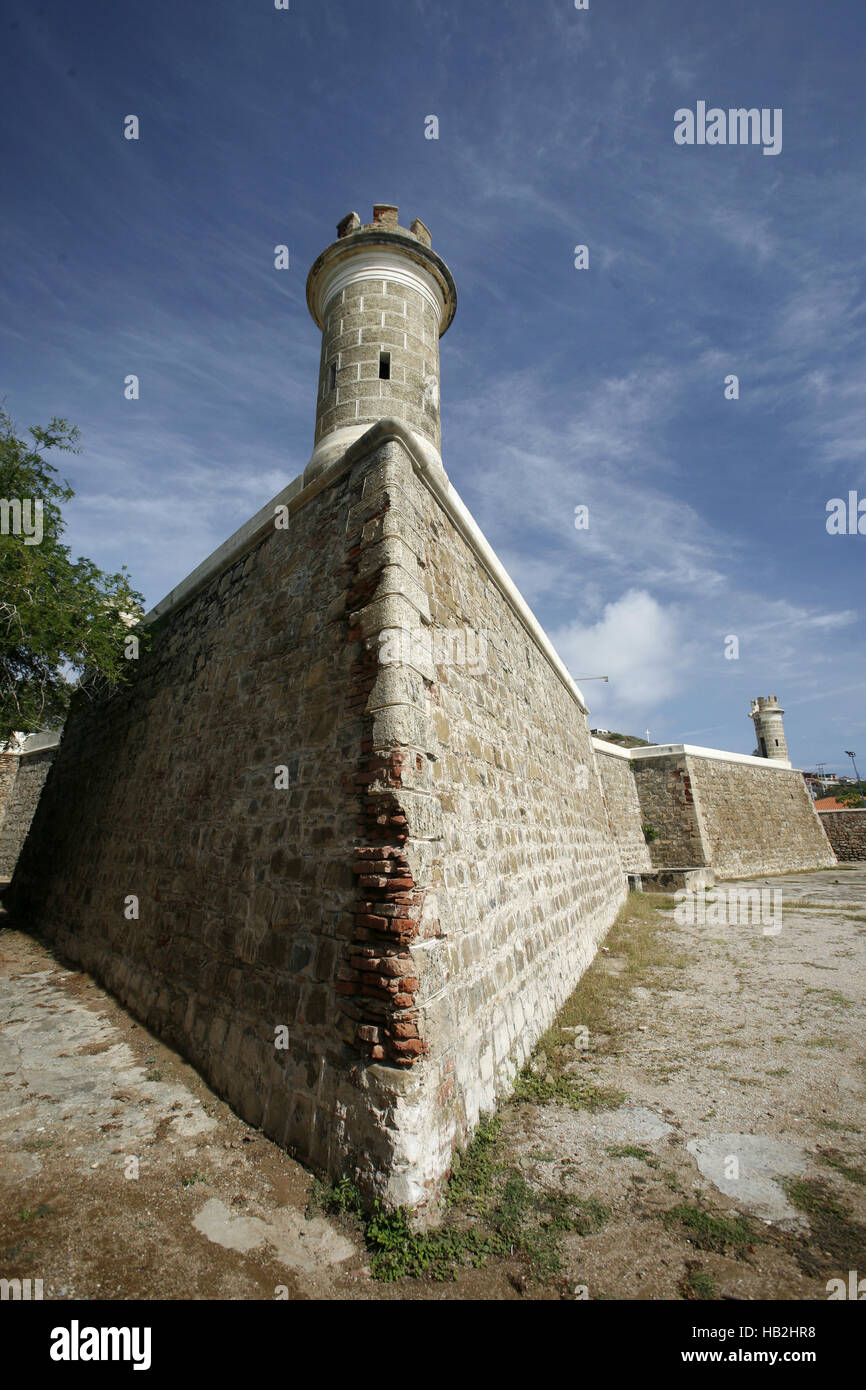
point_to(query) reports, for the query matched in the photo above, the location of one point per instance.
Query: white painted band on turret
(378, 263)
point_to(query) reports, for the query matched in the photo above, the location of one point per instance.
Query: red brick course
(376, 984)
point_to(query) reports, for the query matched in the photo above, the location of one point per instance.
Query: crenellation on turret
(350, 223)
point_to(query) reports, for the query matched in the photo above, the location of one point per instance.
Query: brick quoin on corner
(375, 984)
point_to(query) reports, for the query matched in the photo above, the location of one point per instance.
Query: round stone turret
(382, 298)
(767, 714)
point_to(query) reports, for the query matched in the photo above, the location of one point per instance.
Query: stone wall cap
(37, 743)
(298, 493)
(616, 750)
(669, 750)
(34, 743)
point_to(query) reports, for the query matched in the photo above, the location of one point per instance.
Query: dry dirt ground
(692, 1127)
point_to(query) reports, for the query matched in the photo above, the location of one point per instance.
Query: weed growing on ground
(698, 1285)
(848, 1170)
(565, 1090)
(509, 1218)
(708, 1232)
(489, 1207)
(474, 1169)
(42, 1210)
(836, 1241)
(633, 1151)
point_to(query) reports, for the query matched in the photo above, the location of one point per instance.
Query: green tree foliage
(849, 793)
(62, 623)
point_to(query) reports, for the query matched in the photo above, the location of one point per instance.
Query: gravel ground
(738, 1055)
(746, 1058)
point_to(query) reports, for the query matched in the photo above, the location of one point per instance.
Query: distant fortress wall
(22, 777)
(846, 831)
(8, 773)
(619, 788)
(756, 817)
(739, 815)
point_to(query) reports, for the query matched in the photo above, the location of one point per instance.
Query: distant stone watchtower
(769, 731)
(382, 298)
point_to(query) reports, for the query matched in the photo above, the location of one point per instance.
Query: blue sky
(560, 387)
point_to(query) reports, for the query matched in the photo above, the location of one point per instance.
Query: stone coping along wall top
(611, 749)
(669, 750)
(298, 493)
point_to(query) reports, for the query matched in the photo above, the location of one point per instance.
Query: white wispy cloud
(636, 642)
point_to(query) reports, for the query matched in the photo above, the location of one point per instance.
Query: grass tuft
(565, 1090)
(848, 1170)
(698, 1285)
(633, 1151)
(708, 1232)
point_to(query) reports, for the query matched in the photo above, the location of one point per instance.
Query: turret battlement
(385, 218)
(766, 702)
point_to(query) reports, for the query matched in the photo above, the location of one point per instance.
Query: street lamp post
(849, 754)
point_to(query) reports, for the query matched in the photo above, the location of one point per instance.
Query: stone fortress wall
(22, 777)
(619, 789)
(8, 773)
(420, 897)
(664, 791)
(737, 814)
(756, 817)
(167, 792)
(524, 870)
(846, 831)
